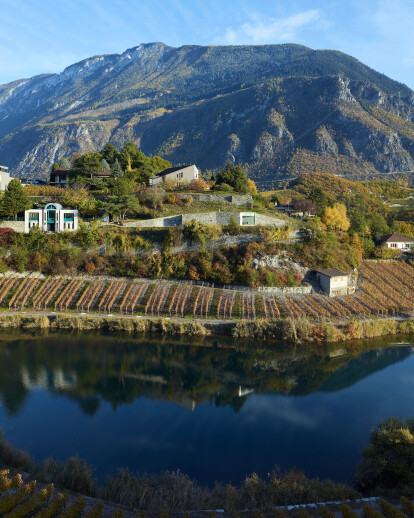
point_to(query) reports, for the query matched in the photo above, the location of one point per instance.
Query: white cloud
(271, 30)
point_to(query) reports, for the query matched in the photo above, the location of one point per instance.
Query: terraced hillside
(384, 289)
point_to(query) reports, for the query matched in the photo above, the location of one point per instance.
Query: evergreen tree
(110, 153)
(64, 163)
(15, 199)
(234, 176)
(55, 166)
(117, 169)
(105, 165)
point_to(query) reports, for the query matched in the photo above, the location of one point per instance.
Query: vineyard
(18, 500)
(384, 289)
(27, 500)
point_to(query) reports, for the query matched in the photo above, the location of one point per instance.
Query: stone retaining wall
(207, 218)
(17, 226)
(235, 199)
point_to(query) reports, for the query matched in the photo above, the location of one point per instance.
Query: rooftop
(397, 238)
(332, 272)
(172, 170)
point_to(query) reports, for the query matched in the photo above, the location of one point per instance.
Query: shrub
(388, 459)
(73, 474)
(12, 457)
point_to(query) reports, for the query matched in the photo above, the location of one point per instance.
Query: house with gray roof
(398, 242)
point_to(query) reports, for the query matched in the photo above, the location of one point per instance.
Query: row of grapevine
(270, 307)
(157, 299)
(90, 296)
(180, 299)
(7, 284)
(203, 301)
(47, 292)
(226, 303)
(20, 299)
(248, 305)
(133, 296)
(69, 294)
(112, 294)
(26, 501)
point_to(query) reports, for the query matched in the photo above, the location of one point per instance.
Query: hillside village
(174, 241)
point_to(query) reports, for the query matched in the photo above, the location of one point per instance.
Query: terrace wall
(235, 199)
(17, 226)
(207, 218)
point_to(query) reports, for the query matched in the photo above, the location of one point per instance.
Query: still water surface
(211, 411)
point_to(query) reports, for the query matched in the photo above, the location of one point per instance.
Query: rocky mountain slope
(277, 109)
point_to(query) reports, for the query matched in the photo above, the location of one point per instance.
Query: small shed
(333, 282)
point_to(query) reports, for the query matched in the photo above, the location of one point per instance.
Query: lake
(214, 408)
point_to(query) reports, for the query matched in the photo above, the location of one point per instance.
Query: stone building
(53, 218)
(333, 282)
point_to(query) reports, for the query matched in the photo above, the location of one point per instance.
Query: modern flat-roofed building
(333, 282)
(178, 175)
(4, 177)
(53, 218)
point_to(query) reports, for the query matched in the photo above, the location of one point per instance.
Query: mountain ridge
(154, 89)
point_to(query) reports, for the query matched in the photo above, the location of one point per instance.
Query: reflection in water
(87, 369)
(235, 408)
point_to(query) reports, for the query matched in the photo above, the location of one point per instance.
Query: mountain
(277, 109)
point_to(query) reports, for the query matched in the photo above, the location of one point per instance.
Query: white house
(398, 242)
(178, 175)
(4, 177)
(53, 218)
(333, 282)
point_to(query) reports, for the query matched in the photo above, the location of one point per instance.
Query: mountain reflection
(90, 368)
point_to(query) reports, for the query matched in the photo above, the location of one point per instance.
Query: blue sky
(39, 36)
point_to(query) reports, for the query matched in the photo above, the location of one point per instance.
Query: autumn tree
(198, 185)
(335, 217)
(305, 206)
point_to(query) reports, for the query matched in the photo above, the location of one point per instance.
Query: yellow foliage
(335, 217)
(251, 187)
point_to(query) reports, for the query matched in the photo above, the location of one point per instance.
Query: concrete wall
(207, 218)
(235, 199)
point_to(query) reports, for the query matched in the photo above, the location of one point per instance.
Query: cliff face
(277, 109)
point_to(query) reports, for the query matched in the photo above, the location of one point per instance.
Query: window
(248, 219)
(393, 245)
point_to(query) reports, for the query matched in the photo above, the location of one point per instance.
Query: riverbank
(295, 331)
